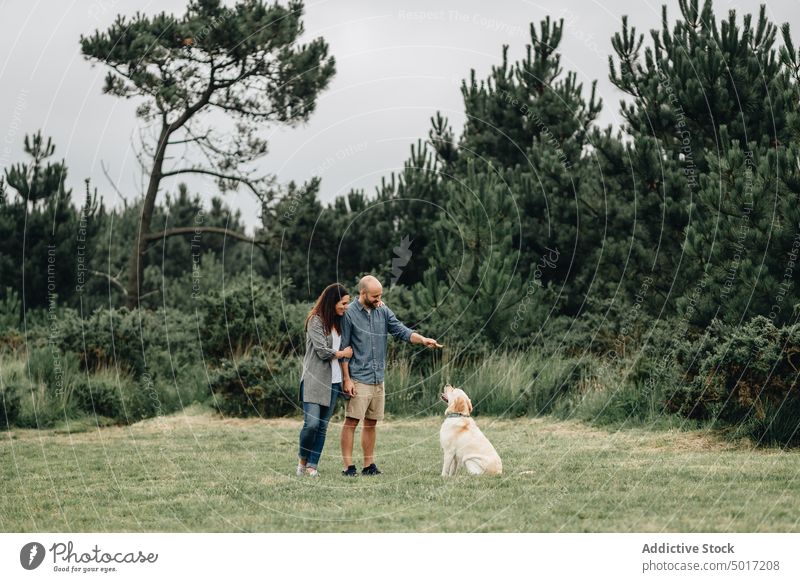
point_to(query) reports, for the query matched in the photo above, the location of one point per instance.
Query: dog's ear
(469, 404)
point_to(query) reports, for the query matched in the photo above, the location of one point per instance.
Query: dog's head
(457, 400)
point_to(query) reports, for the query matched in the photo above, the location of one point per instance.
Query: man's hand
(429, 342)
(349, 387)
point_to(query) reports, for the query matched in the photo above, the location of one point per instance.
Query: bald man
(366, 326)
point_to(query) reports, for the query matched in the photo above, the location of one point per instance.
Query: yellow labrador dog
(462, 441)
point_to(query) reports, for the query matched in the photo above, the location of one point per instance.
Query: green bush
(121, 398)
(780, 424)
(38, 407)
(157, 355)
(259, 383)
(47, 387)
(99, 398)
(9, 406)
(33, 402)
(11, 341)
(252, 313)
(55, 370)
(10, 309)
(745, 378)
(139, 340)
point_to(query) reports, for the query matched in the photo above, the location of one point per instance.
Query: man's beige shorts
(367, 403)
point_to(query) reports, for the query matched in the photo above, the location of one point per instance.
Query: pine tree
(709, 103)
(533, 124)
(472, 285)
(243, 61)
(524, 101)
(46, 244)
(300, 243)
(38, 181)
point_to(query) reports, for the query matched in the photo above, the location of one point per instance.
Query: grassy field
(194, 472)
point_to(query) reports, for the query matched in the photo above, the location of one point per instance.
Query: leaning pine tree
(243, 61)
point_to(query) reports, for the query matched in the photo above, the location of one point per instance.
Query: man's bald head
(370, 291)
(368, 282)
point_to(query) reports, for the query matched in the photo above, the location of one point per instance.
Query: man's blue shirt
(367, 332)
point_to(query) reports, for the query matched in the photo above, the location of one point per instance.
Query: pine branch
(241, 179)
(111, 279)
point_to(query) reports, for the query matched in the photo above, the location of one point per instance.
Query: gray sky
(398, 62)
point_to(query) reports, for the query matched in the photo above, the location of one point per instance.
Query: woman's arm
(316, 334)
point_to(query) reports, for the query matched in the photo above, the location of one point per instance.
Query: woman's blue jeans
(315, 426)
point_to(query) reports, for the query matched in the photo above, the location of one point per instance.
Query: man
(365, 327)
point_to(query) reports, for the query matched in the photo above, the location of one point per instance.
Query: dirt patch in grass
(691, 441)
(200, 417)
(565, 428)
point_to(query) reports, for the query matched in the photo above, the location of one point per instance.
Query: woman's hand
(345, 353)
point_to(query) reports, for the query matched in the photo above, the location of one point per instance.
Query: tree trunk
(136, 263)
(200, 229)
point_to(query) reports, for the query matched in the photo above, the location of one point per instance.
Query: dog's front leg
(455, 466)
(448, 467)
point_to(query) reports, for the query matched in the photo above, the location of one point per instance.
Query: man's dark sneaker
(371, 470)
(350, 472)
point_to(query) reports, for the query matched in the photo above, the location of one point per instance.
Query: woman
(321, 381)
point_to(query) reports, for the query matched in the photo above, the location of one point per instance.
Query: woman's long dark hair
(325, 307)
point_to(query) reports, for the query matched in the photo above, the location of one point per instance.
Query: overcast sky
(398, 62)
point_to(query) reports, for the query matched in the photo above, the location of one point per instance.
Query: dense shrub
(615, 328)
(745, 377)
(119, 398)
(779, 425)
(38, 387)
(120, 364)
(9, 406)
(11, 341)
(139, 340)
(252, 313)
(54, 370)
(39, 409)
(10, 309)
(97, 397)
(260, 383)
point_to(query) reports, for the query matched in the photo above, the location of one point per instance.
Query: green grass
(193, 472)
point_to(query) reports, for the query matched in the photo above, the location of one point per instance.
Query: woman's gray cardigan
(317, 363)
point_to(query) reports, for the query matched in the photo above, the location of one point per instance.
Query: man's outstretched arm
(428, 342)
(401, 331)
